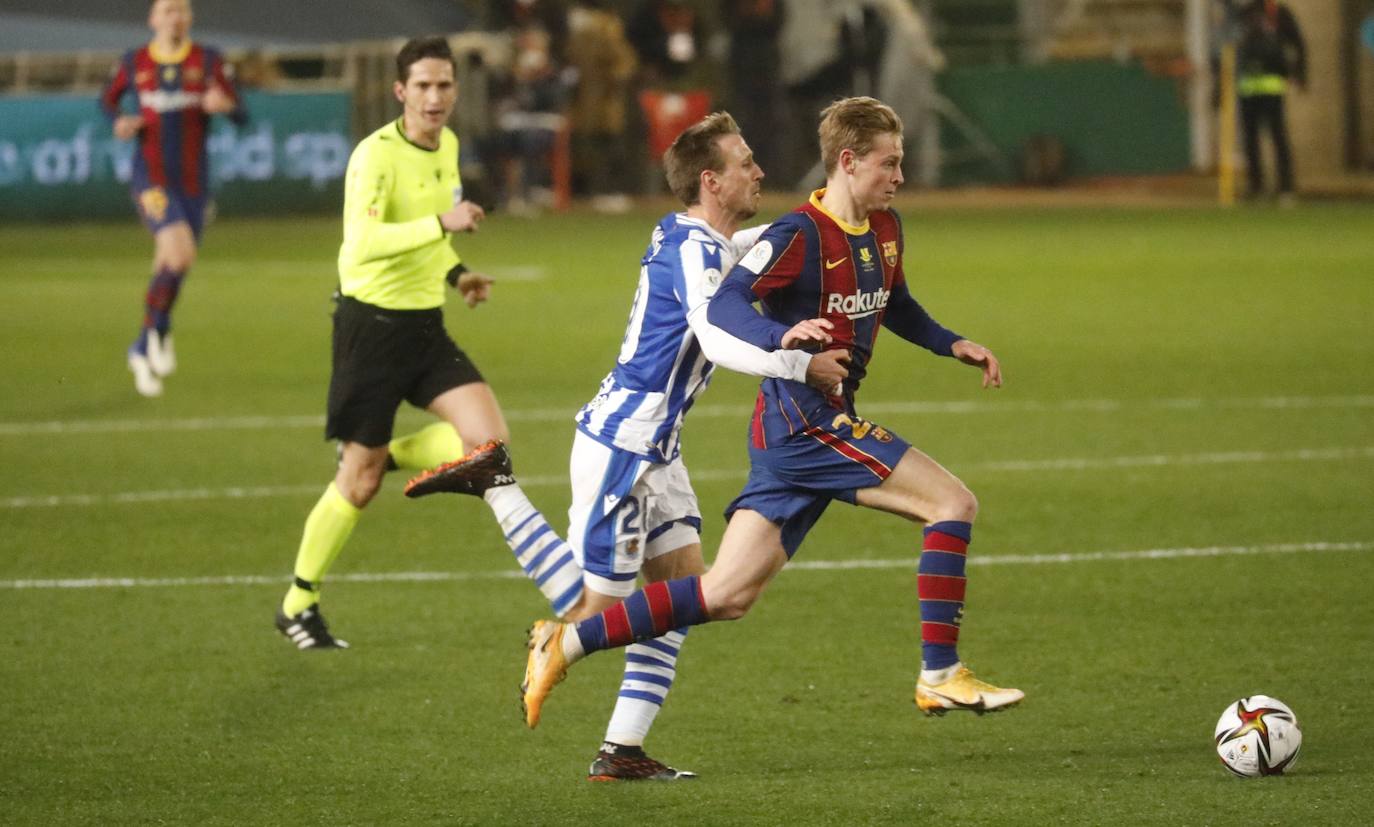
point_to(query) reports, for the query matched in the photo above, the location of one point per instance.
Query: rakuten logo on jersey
(857, 305)
(163, 101)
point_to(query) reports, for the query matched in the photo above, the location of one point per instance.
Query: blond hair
(695, 151)
(854, 124)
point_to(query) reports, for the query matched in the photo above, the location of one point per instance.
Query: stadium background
(1175, 483)
(1035, 91)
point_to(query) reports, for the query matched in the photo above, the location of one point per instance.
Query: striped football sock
(546, 558)
(650, 668)
(940, 586)
(651, 612)
(162, 294)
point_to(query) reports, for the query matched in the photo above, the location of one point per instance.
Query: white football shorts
(625, 510)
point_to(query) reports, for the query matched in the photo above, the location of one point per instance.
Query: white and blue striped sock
(650, 668)
(545, 557)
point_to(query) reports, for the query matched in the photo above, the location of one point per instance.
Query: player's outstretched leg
(945, 683)
(651, 612)
(483, 467)
(545, 668)
(545, 557)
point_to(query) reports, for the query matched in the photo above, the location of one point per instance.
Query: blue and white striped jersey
(667, 355)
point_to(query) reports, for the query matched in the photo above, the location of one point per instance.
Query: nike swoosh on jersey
(831, 265)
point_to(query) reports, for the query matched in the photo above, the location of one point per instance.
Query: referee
(403, 199)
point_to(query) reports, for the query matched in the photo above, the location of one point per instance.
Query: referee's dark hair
(419, 48)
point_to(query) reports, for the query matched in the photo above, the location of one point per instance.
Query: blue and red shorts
(163, 206)
(793, 479)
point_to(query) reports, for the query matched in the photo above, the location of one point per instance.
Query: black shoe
(616, 762)
(486, 466)
(307, 630)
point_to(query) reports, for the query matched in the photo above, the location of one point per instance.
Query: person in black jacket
(1270, 54)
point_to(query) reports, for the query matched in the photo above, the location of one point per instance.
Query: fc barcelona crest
(154, 203)
(890, 253)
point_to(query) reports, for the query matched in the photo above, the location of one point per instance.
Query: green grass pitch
(1192, 382)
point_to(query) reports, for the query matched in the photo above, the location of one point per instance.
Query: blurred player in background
(633, 508)
(402, 200)
(841, 252)
(177, 84)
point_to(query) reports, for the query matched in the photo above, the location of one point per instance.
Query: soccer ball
(1258, 735)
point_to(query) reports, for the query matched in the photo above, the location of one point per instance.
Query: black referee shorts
(382, 357)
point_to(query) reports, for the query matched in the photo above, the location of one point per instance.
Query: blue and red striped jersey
(168, 90)
(808, 265)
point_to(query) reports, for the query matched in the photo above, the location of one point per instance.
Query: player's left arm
(222, 95)
(907, 318)
(972, 353)
(474, 287)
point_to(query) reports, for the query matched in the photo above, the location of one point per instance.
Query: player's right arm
(368, 190)
(695, 279)
(125, 126)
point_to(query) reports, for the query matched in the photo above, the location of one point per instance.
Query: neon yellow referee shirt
(395, 252)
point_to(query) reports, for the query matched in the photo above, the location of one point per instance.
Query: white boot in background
(162, 356)
(146, 382)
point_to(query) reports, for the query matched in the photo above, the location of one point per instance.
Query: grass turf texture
(1139, 345)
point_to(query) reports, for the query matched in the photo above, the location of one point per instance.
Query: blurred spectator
(906, 82)
(549, 15)
(754, 64)
(668, 36)
(829, 51)
(1269, 54)
(529, 105)
(604, 61)
(256, 70)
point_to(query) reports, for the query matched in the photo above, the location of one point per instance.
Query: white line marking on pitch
(716, 475)
(799, 565)
(258, 423)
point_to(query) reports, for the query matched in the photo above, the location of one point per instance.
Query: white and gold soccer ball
(1258, 735)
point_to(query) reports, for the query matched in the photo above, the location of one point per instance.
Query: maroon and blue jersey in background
(168, 90)
(807, 265)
